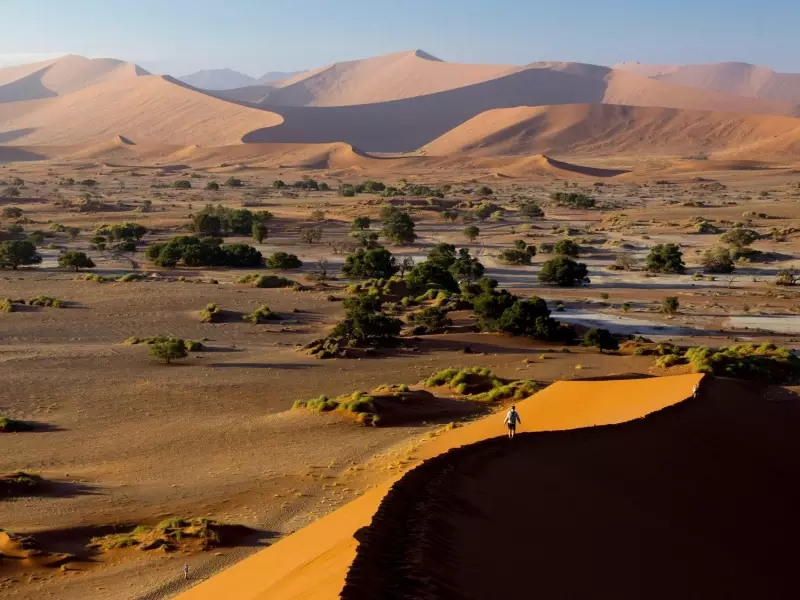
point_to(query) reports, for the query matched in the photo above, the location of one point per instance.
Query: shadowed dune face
(696, 501)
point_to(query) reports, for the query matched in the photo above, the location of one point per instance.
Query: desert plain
(211, 459)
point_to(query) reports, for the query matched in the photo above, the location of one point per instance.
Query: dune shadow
(254, 365)
(32, 486)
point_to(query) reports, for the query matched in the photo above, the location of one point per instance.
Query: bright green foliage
(169, 350)
(563, 272)
(601, 338)
(212, 313)
(365, 322)
(16, 254)
(261, 315)
(283, 261)
(75, 261)
(375, 262)
(665, 258)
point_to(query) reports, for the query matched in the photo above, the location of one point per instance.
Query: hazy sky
(180, 36)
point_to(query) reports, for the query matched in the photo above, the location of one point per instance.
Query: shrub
(6, 305)
(601, 338)
(520, 254)
(15, 254)
(531, 318)
(563, 272)
(13, 426)
(196, 252)
(471, 233)
(169, 350)
(399, 228)
(259, 231)
(182, 184)
(261, 315)
(488, 302)
(130, 277)
(370, 263)
(311, 235)
(47, 301)
(212, 186)
(705, 227)
(717, 260)
(531, 210)
(360, 223)
(567, 247)
(670, 305)
(786, 277)
(572, 200)
(465, 267)
(75, 261)
(212, 314)
(366, 322)
(739, 238)
(12, 212)
(431, 275)
(665, 258)
(265, 281)
(432, 319)
(283, 261)
(233, 182)
(766, 362)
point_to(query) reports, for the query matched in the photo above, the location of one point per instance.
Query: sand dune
(380, 79)
(610, 129)
(148, 109)
(405, 125)
(737, 78)
(62, 76)
(638, 510)
(313, 563)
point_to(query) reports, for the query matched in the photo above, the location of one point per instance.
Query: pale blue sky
(180, 36)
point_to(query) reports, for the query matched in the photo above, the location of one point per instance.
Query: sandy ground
(129, 441)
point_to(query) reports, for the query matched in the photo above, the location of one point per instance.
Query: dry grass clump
(766, 362)
(265, 281)
(357, 404)
(8, 425)
(261, 315)
(129, 277)
(6, 305)
(212, 313)
(481, 384)
(47, 301)
(95, 278)
(169, 535)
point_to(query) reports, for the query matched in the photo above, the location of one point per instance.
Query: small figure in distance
(695, 390)
(512, 418)
(185, 572)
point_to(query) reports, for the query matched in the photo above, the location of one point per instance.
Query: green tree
(563, 272)
(431, 275)
(283, 261)
(665, 258)
(366, 322)
(520, 254)
(360, 223)
(466, 267)
(717, 260)
(472, 232)
(212, 186)
(233, 182)
(98, 242)
(278, 184)
(531, 210)
(399, 228)
(432, 319)
(370, 263)
(567, 247)
(488, 302)
(739, 238)
(526, 317)
(182, 184)
(15, 254)
(260, 231)
(75, 261)
(169, 350)
(601, 338)
(442, 254)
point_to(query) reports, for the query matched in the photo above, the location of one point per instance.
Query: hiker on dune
(512, 418)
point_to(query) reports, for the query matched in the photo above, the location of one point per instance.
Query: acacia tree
(15, 254)
(169, 350)
(563, 272)
(665, 258)
(75, 261)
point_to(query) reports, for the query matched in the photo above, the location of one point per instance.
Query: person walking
(185, 572)
(512, 418)
(695, 390)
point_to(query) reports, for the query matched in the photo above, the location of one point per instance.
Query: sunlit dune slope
(695, 501)
(62, 76)
(607, 129)
(313, 563)
(380, 79)
(737, 78)
(143, 109)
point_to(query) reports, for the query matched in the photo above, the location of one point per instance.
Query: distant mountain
(218, 79)
(738, 78)
(277, 76)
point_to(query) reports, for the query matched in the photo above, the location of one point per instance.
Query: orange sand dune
(737, 78)
(407, 124)
(380, 79)
(698, 500)
(62, 76)
(596, 129)
(313, 563)
(147, 109)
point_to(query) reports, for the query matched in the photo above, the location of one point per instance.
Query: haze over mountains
(412, 102)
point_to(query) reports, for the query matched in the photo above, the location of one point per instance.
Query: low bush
(168, 349)
(432, 319)
(212, 314)
(8, 425)
(47, 301)
(265, 281)
(130, 277)
(6, 305)
(358, 404)
(261, 315)
(283, 261)
(168, 536)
